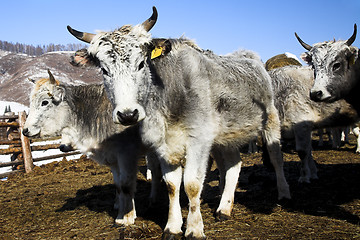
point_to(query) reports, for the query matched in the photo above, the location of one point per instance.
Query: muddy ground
(74, 200)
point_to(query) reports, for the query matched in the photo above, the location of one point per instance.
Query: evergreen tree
(38, 50)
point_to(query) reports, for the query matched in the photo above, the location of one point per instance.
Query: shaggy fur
(188, 101)
(81, 115)
(299, 115)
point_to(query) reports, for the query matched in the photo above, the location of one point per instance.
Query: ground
(74, 200)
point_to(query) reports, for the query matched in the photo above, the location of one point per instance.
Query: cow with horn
(336, 67)
(186, 102)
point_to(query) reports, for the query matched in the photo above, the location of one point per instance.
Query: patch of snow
(59, 52)
(15, 107)
(37, 154)
(290, 55)
(4, 53)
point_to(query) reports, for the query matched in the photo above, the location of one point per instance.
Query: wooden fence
(19, 146)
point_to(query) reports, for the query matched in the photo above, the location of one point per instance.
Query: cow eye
(44, 103)
(336, 66)
(141, 65)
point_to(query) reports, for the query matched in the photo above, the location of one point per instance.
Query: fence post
(25, 144)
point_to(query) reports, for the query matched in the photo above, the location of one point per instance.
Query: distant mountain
(16, 68)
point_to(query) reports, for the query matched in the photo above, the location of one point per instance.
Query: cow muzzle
(316, 96)
(30, 133)
(66, 148)
(127, 118)
(321, 96)
(26, 132)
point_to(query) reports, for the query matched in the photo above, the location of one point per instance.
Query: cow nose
(128, 118)
(316, 96)
(66, 148)
(25, 132)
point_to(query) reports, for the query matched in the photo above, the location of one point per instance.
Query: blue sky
(266, 27)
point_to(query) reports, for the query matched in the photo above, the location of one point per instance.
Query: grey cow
(337, 70)
(81, 115)
(187, 101)
(299, 115)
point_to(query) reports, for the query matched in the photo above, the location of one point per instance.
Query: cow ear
(160, 47)
(306, 57)
(81, 58)
(353, 56)
(167, 47)
(58, 94)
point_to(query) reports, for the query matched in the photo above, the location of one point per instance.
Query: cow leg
(271, 136)
(172, 175)
(116, 178)
(345, 134)
(356, 132)
(308, 169)
(321, 137)
(153, 165)
(229, 164)
(127, 168)
(194, 174)
(336, 134)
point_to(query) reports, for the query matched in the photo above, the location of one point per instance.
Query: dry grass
(73, 200)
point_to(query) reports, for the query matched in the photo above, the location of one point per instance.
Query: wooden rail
(20, 145)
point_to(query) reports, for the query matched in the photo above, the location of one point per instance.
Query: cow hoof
(191, 237)
(304, 180)
(285, 202)
(219, 217)
(171, 236)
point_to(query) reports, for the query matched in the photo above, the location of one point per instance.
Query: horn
(149, 23)
(31, 80)
(306, 46)
(83, 36)
(352, 38)
(51, 78)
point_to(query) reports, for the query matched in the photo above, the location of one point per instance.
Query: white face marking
(330, 64)
(125, 70)
(47, 116)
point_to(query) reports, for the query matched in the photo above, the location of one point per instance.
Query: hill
(16, 68)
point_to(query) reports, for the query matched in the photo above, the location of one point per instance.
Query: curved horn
(83, 36)
(352, 38)
(149, 23)
(306, 46)
(51, 78)
(31, 80)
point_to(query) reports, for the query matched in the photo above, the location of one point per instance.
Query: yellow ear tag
(156, 52)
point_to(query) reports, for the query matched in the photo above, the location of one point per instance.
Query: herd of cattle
(176, 104)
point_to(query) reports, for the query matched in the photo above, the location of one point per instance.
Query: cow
(299, 115)
(281, 60)
(336, 68)
(81, 115)
(186, 102)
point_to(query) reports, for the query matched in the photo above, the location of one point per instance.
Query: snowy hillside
(16, 69)
(14, 106)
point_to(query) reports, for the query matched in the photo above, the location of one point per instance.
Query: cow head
(334, 67)
(123, 56)
(48, 113)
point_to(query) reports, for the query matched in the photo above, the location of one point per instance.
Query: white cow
(82, 116)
